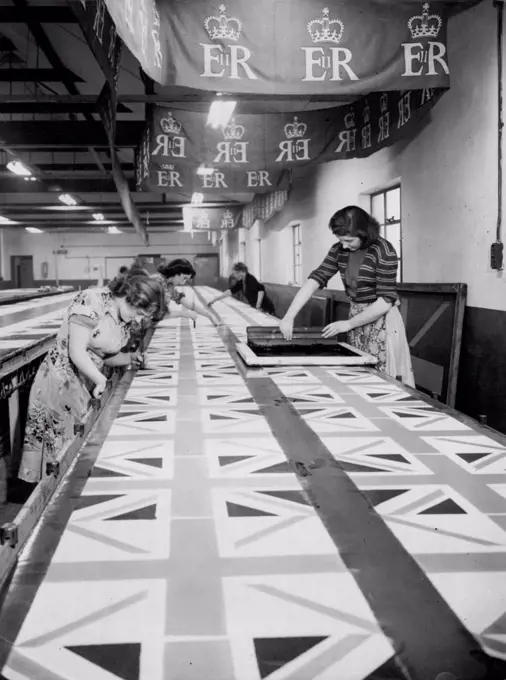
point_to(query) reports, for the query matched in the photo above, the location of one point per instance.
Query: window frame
(297, 254)
(390, 222)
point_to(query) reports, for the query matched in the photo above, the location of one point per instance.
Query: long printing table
(307, 523)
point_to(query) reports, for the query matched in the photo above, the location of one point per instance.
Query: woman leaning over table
(368, 266)
(94, 329)
(180, 272)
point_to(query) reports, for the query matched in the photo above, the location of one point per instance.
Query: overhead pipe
(499, 5)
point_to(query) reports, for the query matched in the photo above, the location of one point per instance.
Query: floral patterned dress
(60, 395)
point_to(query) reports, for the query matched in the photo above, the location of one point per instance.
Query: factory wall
(448, 178)
(81, 259)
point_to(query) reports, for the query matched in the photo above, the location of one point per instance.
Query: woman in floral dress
(94, 329)
(368, 265)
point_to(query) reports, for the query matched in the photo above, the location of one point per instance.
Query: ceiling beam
(51, 14)
(26, 212)
(170, 98)
(41, 108)
(68, 186)
(53, 134)
(38, 75)
(74, 170)
(38, 224)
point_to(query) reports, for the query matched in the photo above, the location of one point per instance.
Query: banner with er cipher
(288, 47)
(254, 153)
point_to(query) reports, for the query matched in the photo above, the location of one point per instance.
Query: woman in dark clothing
(242, 283)
(368, 265)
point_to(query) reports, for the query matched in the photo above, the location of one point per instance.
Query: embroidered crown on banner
(166, 166)
(425, 25)
(384, 103)
(227, 220)
(295, 130)
(223, 27)
(349, 120)
(202, 221)
(367, 113)
(170, 125)
(325, 29)
(233, 131)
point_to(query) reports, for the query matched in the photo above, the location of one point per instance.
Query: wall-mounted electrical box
(496, 255)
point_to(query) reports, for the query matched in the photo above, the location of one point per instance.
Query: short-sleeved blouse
(97, 309)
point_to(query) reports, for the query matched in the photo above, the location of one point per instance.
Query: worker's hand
(99, 388)
(136, 358)
(286, 327)
(336, 328)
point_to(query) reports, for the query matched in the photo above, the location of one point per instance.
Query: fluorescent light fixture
(220, 112)
(202, 170)
(6, 220)
(67, 199)
(98, 217)
(19, 168)
(34, 230)
(197, 198)
(113, 230)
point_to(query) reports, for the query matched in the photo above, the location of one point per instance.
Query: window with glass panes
(259, 255)
(297, 255)
(386, 208)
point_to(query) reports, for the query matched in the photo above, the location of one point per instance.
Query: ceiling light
(197, 198)
(19, 168)
(202, 170)
(6, 220)
(98, 217)
(67, 199)
(220, 112)
(113, 230)
(34, 230)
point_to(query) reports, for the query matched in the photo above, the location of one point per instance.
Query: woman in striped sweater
(368, 265)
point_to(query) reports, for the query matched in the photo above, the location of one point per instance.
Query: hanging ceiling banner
(100, 33)
(139, 26)
(288, 47)
(263, 207)
(252, 151)
(211, 219)
(106, 105)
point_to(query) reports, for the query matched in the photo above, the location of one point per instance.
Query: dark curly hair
(353, 221)
(137, 270)
(142, 292)
(240, 267)
(179, 266)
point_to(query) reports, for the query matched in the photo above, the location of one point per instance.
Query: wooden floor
(290, 523)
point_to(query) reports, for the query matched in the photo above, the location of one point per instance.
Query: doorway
(22, 271)
(207, 268)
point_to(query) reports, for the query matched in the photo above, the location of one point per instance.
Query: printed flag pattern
(193, 546)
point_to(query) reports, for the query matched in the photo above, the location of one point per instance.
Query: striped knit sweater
(378, 273)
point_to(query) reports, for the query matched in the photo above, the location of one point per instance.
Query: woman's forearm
(203, 311)
(121, 359)
(227, 293)
(82, 361)
(372, 313)
(260, 298)
(303, 296)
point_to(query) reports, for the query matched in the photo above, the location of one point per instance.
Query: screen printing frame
(251, 359)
